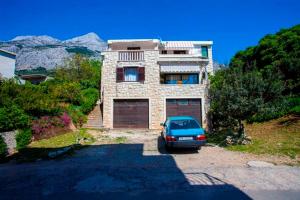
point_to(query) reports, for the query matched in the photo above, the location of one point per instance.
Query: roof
(8, 52)
(167, 44)
(180, 118)
(132, 40)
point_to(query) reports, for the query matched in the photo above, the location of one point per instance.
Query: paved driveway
(141, 168)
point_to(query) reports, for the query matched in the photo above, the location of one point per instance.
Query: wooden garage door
(131, 113)
(184, 107)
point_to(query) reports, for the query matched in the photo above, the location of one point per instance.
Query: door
(131, 113)
(184, 107)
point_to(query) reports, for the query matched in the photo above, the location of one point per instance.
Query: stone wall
(151, 89)
(10, 140)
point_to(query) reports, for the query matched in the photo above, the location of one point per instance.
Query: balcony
(131, 56)
(181, 58)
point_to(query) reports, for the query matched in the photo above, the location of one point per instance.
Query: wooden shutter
(120, 74)
(141, 74)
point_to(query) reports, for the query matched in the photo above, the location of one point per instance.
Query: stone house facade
(145, 81)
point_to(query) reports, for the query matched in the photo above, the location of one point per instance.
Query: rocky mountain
(45, 52)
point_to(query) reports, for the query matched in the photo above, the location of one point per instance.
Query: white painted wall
(7, 66)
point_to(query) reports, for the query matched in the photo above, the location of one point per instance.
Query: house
(146, 80)
(7, 64)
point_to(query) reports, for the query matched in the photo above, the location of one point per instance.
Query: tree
(258, 82)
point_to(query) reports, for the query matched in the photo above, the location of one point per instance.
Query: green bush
(23, 138)
(35, 101)
(89, 99)
(77, 116)
(68, 92)
(270, 111)
(294, 104)
(12, 118)
(3, 148)
(295, 110)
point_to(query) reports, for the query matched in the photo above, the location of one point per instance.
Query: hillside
(277, 137)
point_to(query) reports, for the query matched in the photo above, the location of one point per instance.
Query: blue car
(183, 132)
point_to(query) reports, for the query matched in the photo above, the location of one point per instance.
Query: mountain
(91, 40)
(46, 53)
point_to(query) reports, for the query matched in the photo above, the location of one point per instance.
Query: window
(204, 51)
(180, 79)
(133, 48)
(171, 101)
(131, 74)
(184, 124)
(184, 102)
(179, 52)
(164, 52)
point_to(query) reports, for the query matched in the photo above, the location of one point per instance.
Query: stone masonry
(151, 89)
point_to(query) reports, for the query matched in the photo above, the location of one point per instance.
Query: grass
(64, 140)
(276, 137)
(40, 149)
(120, 140)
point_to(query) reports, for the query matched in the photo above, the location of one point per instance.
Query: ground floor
(140, 168)
(149, 113)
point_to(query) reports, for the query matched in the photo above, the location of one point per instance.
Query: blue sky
(233, 25)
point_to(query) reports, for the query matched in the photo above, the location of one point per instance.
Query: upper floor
(171, 62)
(134, 50)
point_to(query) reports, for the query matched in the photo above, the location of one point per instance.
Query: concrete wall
(7, 66)
(151, 89)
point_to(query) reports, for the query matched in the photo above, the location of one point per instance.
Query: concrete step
(94, 118)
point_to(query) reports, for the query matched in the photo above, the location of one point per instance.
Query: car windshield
(184, 124)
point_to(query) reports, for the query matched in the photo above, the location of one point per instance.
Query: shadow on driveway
(114, 171)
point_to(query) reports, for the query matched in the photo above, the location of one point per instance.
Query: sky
(232, 25)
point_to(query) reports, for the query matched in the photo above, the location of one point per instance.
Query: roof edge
(8, 52)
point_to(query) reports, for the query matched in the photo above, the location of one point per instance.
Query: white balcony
(181, 58)
(131, 56)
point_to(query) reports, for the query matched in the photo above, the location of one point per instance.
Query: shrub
(77, 116)
(294, 104)
(66, 92)
(37, 102)
(3, 148)
(89, 99)
(270, 111)
(50, 125)
(23, 138)
(12, 118)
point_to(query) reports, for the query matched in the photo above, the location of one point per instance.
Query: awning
(179, 68)
(178, 45)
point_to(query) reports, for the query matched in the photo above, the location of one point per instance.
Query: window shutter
(120, 74)
(141, 74)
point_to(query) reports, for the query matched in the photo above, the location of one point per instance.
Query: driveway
(142, 169)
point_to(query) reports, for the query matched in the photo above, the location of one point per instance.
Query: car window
(183, 124)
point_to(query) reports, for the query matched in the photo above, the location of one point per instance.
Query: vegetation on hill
(73, 91)
(261, 83)
(277, 137)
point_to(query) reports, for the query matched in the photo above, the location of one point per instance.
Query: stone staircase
(94, 118)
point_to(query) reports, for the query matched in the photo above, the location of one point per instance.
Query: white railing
(131, 55)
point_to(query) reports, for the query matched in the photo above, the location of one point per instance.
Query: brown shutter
(141, 74)
(120, 74)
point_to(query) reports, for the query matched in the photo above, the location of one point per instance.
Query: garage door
(184, 107)
(131, 113)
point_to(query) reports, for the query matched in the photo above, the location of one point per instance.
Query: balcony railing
(131, 55)
(181, 57)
